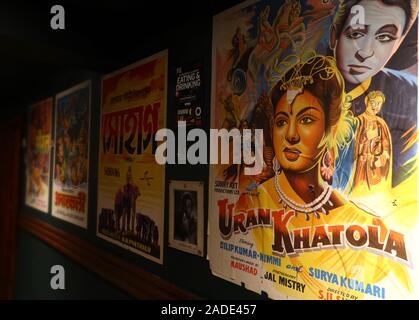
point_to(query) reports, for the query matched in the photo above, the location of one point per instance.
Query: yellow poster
(333, 212)
(130, 209)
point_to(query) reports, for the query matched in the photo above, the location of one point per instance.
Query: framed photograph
(186, 220)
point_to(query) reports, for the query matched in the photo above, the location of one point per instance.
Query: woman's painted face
(297, 131)
(365, 47)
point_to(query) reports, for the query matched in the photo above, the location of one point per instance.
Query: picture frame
(186, 216)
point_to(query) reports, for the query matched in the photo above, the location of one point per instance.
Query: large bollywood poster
(130, 210)
(332, 213)
(38, 155)
(71, 155)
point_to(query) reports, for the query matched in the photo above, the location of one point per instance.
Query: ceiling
(99, 35)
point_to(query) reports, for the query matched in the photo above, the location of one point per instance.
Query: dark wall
(34, 262)
(188, 40)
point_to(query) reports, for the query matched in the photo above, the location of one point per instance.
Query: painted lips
(292, 154)
(357, 69)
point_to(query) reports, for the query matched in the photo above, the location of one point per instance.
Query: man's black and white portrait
(185, 226)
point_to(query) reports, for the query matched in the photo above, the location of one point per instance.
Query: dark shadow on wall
(34, 260)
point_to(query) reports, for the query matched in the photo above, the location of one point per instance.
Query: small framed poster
(186, 220)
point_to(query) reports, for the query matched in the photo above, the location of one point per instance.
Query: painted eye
(281, 122)
(306, 120)
(385, 38)
(355, 35)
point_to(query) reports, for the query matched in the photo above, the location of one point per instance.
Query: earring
(327, 168)
(275, 165)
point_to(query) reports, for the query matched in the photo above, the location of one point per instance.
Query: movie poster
(189, 94)
(71, 155)
(38, 155)
(131, 182)
(332, 212)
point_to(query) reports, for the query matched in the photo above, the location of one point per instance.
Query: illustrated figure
(373, 144)
(287, 32)
(37, 186)
(131, 194)
(266, 43)
(239, 56)
(266, 38)
(125, 205)
(146, 228)
(369, 55)
(118, 209)
(238, 43)
(231, 173)
(61, 163)
(309, 119)
(230, 120)
(65, 164)
(141, 227)
(311, 122)
(261, 118)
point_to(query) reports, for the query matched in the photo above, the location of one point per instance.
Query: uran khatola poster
(131, 182)
(333, 212)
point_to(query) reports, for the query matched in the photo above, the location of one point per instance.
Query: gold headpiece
(297, 80)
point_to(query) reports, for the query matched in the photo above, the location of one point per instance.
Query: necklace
(306, 208)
